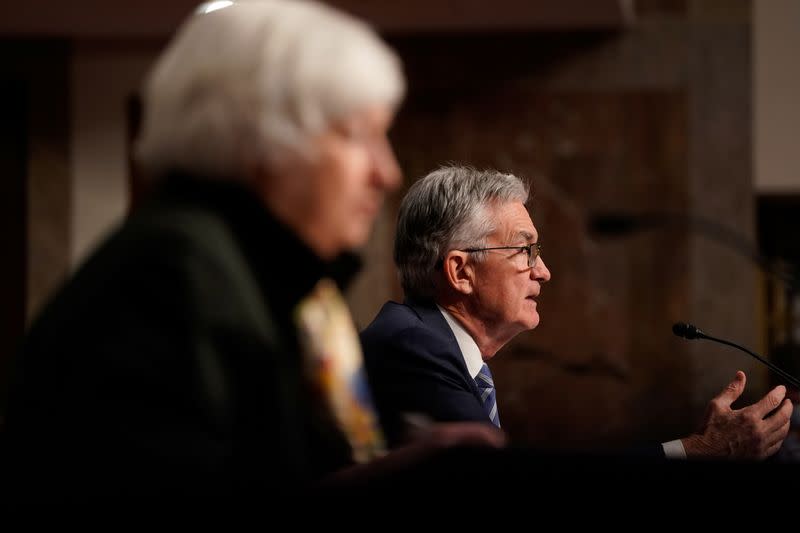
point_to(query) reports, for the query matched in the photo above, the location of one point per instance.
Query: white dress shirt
(469, 348)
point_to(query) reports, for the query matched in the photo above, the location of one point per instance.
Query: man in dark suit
(470, 265)
(204, 349)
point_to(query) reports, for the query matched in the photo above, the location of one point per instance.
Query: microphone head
(687, 331)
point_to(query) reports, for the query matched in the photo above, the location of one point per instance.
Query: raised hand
(753, 432)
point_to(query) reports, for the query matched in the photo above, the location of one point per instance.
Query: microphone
(688, 331)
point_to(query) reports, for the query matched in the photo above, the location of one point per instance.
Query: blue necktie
(486, 387)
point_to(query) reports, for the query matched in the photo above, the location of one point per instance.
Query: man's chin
(526, 325)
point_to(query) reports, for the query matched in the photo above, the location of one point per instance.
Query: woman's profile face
(338, 193)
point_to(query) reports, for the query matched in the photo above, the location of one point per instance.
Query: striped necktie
(486, 387)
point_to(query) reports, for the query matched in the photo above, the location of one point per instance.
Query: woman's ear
(458, 271)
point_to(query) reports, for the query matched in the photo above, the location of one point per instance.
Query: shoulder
(202, 231)
(196, 241)
(393, 316)
(184, 262)
(401, 324)
(399, 336)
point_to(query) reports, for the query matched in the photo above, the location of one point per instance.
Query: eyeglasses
(534, 250)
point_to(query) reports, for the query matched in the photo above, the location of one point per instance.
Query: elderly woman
(204, 346)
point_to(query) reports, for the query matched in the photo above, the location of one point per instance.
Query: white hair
(252, 82)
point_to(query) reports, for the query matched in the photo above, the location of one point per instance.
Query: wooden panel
(778, 218)
(461, 15)
(43, 69)
(13, 215)
(157, 18)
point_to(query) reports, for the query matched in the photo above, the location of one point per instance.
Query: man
(470, 265)
(204, 348)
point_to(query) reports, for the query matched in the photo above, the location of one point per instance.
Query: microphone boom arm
(791, 379)
(690, 332)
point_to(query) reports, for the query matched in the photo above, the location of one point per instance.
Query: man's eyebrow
(523, 235)
(520, 236)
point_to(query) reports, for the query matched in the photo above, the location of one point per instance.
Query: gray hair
(253, 82)
(446, 210)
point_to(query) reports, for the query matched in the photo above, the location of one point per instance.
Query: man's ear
(458, 271)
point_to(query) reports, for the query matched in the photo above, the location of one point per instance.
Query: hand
(746, 433)
(422, 431)
(447, 435)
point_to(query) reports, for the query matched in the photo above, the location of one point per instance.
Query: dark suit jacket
(169, 360)
(415, 365)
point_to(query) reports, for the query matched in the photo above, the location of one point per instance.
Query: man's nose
(540, 272)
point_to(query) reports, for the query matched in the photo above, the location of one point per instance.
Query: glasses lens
(533, 254)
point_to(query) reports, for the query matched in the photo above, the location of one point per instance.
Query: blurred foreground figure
(204, 347)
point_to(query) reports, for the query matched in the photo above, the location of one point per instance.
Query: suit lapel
(432, 317)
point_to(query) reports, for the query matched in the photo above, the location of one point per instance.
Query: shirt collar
(469, 348)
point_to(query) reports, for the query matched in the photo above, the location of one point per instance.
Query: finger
(490, 435)
(772, 450)
(732, 391)
(769, 402)
(778, 436)
(780, 417)
(468, 434)
(485, 436)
